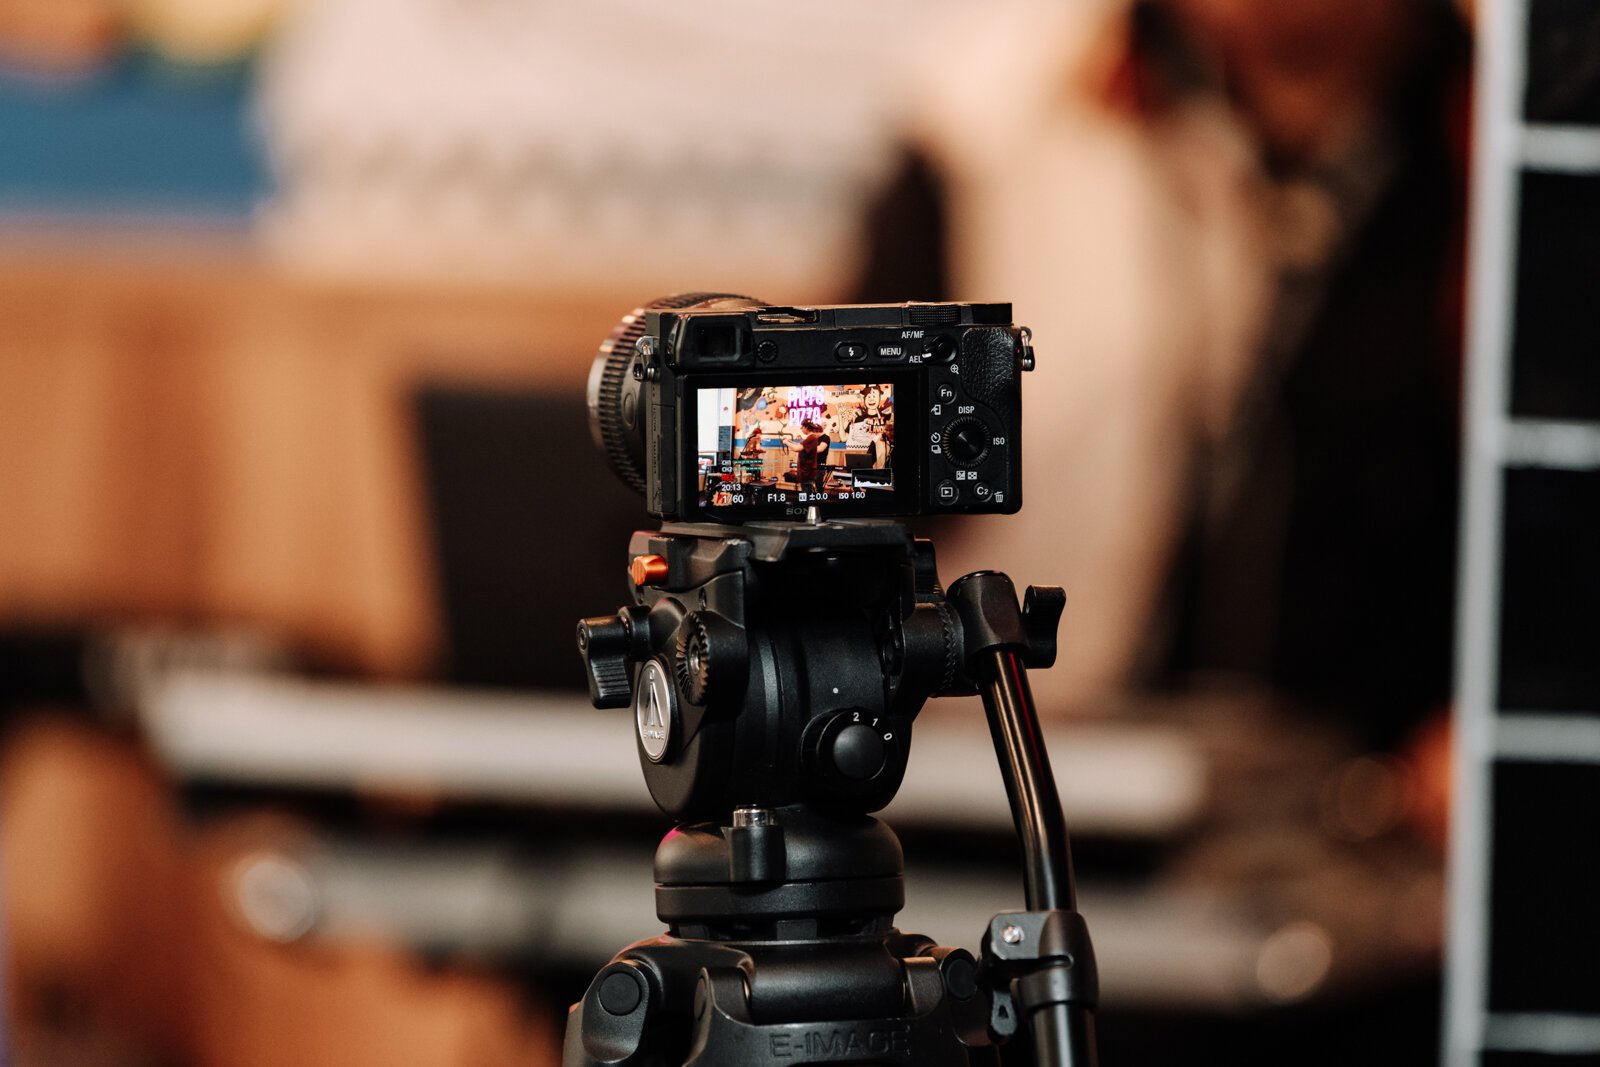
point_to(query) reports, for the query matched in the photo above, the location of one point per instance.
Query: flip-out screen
(765, 448)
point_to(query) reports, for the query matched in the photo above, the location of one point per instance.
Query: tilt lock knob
(604, 642)
(610, 645)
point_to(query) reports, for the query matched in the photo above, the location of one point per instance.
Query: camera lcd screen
(767, 447)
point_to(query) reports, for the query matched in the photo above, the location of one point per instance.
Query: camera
(724, 408)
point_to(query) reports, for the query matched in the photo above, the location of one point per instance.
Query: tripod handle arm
(1040, 960)
(996, 647)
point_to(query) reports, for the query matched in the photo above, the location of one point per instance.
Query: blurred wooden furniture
(121, 949)
(187, 435)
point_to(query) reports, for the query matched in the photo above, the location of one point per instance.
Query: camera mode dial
(966, 441)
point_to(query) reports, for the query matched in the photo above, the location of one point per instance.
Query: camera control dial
(966, 441)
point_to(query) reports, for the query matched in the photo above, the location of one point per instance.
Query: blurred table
(186, 433)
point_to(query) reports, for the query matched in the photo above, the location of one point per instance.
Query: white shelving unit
(1492, 1016)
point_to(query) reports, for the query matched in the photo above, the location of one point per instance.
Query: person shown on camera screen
(811, 448)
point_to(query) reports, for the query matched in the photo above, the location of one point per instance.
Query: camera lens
(615, 419)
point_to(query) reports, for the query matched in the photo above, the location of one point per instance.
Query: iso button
(850, 352)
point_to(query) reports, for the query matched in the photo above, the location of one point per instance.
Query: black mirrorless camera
(721, 407)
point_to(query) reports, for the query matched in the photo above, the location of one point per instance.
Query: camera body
(726, 409)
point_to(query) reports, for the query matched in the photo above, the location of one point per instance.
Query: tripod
(775, 670)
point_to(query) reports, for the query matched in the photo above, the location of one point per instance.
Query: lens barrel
(616, 412)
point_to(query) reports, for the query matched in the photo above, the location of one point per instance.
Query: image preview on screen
(795, 444)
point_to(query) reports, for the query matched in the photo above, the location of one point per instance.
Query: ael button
(648, 570)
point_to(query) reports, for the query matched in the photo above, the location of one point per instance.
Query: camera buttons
(892, 353)
(981, 490)
(942, 349)
(850, 352)
(767, 351)
(949, 492)
(947, 393)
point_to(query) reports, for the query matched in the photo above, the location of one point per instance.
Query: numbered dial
(852, 746)
(966, 441)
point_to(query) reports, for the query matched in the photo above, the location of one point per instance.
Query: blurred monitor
(530, 531)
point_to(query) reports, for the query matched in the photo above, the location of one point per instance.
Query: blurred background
(298, 503)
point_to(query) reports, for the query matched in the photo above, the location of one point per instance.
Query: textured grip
(988, 361)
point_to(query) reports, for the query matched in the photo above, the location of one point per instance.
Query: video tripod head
(772, 664)
(781, 663)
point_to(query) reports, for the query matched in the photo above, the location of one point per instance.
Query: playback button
(948, 492)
